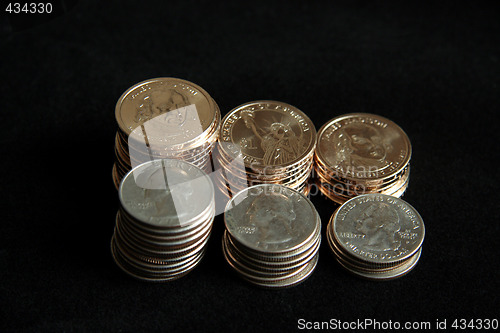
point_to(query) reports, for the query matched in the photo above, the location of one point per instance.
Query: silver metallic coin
(394, 273)
(162, 193)
(376, 236)
(378, 228)
(271, 267)
(270, 218)
(282, 257)
(142, 275)
(272, 237)
(165, 220)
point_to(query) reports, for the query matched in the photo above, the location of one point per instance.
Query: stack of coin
(165, 118)
(376, 236)
(272, 235)
(265, 142)
(160, 235)
(359, 154)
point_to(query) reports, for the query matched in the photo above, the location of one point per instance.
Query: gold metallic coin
(165, 118)
(265, 142)
(352, 190)
(363, 146)
(359, 154)
(180, 103)
(267, 134)
(236, 167)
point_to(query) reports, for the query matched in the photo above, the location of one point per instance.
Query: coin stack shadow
(264, 142)
(159, 235)
(187, 129)
(376, 236)
(280, 249)
(360, 154)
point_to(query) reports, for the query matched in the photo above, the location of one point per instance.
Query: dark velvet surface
(434, 70)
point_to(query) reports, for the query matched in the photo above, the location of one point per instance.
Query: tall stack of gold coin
(265, 142)
(165, 118)
(359, 154)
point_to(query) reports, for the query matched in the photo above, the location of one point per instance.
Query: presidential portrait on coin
(167, 102)
(166, 117)
(380, 223)
(358, 145)
(165, 193)
(273, 217)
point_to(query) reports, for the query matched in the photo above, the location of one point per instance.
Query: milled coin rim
(264, 280)
(340, 200)
(273, 257)
(398, 272)
(386, 188)
(273, 266)
(237, 171)
(149, 278)
(164, 236)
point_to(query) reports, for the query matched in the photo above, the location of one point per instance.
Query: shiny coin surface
(272, 236)
(170, 110)
(270, 218)
(378, 228)
(265, 142)
(165, 220)
(363, 146)
(165, 118)
(376, 236)
(359, 154)
(267, 134)
(162, 193)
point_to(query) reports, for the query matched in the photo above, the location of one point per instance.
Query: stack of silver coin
(264, 142)
(160, 234)
(376, 236)
(272, 235)
(165, 118)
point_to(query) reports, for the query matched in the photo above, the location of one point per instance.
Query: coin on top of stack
(361, 153)
(272, 235)
(376, 236)
(165, 118)
(164, 221)
(264, 142)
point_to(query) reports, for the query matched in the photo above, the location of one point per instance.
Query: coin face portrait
(273, 217)
(380, 223)
(163, 192)
(168, 103)
(164, 198)
(359, 144)
(270, 217)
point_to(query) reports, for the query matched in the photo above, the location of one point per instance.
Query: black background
(434, 70)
